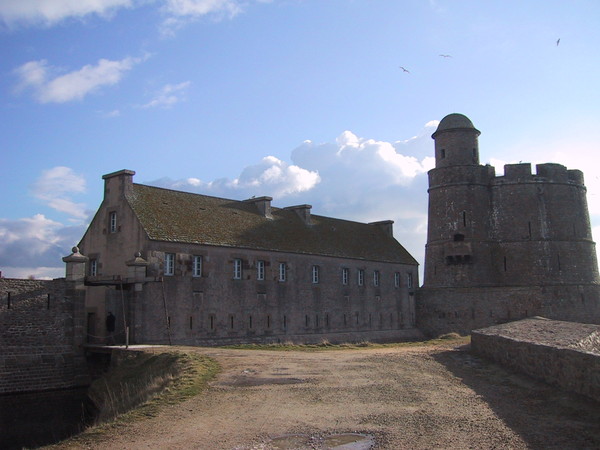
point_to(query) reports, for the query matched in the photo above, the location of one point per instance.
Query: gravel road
(399, 398)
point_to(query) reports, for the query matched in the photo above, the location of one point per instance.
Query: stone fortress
(501, 248)
(180, 268)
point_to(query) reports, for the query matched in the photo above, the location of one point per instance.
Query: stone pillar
(75, 270)
(136, 270)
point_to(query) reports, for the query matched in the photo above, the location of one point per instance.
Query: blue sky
(302, 100)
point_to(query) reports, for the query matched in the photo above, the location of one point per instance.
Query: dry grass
(450, 338)
(141, 387)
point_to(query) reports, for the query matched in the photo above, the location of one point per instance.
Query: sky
(330, 103)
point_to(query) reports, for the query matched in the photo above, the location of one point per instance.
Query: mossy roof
(175, 216)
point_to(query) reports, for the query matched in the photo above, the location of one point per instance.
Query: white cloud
(197, 8)
(181, 12)
(35, 242)
(352, 178)
(270, 176)
(74, 85)
(50, 12)
(56, 186)
(169, 95)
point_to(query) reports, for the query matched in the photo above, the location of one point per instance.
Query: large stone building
(192, 269)
(501, 248)
(176, 267)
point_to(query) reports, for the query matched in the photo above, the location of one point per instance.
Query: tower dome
(456, 142)
(455, 121)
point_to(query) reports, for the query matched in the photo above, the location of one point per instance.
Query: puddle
(347, 441)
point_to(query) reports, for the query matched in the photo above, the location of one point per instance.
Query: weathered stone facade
(41, 335)
(212, 271)
(564, 354)
(503, 247)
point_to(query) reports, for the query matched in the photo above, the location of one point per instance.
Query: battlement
(548, 172)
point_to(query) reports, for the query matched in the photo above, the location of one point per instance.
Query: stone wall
(216, 308)
(460, 310)
(41, 335)
(565, 354)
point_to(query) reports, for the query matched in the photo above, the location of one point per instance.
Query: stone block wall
(41, 335)
(460, 310)
(564, 354)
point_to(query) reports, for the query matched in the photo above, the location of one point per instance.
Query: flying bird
(446, 56)
(558, 42)
(404, 69)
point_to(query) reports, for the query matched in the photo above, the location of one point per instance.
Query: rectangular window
(397, 279)
(197, 266)
(113, 222)
(361, 277)
(169, 263)
(409, 280)
(93, 267)
(376, 278)
(237, 269)
(260, 270)
(282, 273)
(345, 275)
(315, 274)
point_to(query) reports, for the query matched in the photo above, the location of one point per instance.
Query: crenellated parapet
(545, 173)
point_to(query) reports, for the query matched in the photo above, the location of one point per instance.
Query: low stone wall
(41, 333)
(565, 354)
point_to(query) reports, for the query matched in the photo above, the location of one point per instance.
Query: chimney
(386, 226)
(118, 184)
(263, 204)
(303, 212)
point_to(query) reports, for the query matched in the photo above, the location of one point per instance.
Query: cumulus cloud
(50, 87)
(169, 95)
(56, 186)
(352, 178)
(270, 175)
(33, 245)
(50, 12)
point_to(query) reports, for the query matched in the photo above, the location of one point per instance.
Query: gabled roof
(175, 216)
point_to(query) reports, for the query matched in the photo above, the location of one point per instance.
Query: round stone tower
(459, 205)
(501, 248)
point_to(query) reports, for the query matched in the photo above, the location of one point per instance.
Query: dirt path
(418, 398)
